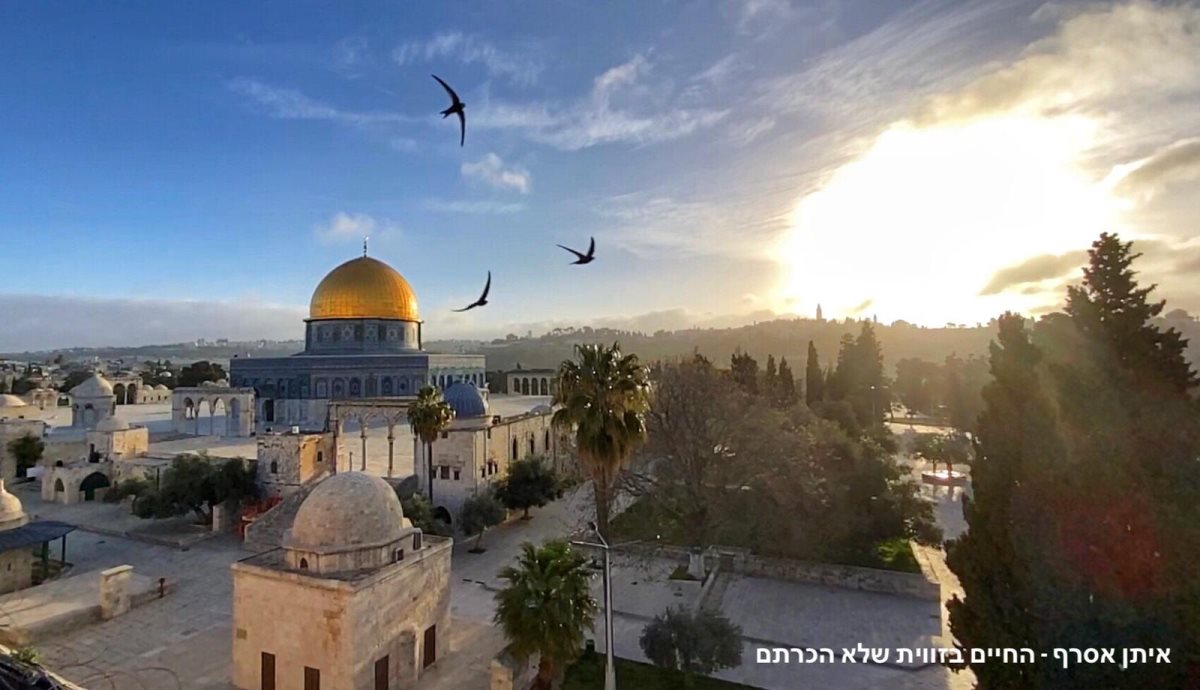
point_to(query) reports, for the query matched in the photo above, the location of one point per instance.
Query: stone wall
(287, 461)
(742, 562)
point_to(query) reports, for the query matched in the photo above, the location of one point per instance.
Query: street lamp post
(610, 674)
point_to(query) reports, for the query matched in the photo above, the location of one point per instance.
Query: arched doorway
(440, 513)
(269, 410)
(58, 488)
(217, 414)
(131, 393)
(231, 417)
(119, 393)
(96, 481)
(524, 386)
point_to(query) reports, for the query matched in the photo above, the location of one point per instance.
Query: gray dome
(95, 387)
(113, 423)
(348, 509)
(466, 400)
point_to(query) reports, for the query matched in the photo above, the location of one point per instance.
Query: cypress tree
(785, 387)
(770, 379)
(814, 380)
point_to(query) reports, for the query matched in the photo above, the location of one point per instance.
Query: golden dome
(364, 288)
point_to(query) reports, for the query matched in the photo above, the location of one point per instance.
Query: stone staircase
(266, 532)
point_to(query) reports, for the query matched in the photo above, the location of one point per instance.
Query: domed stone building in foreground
(356, 598)
(362, 339)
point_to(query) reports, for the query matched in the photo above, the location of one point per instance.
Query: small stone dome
(12, 513)
(466, 400)
(94, 387)
(347, 510)
(160, 387)
(113, 423)
(12, 401)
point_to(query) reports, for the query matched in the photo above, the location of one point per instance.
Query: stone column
(363, 433)
(391, 443)
(114, 591)
(337, 432)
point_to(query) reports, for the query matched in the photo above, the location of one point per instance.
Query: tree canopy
(546, 606)
(481, 511)
(530, 483)
(1085, 520)
(197, 373)
(694, 642)
(602, 397)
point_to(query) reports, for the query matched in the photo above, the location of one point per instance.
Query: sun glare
(915, 227)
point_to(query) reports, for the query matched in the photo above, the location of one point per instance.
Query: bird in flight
(583, 258)
(482, 298)
(456, 108)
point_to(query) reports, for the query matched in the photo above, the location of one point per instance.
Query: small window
(483, 473)
(312, 678)
(397, 555)
(274, 467)
(445, 472)
(416, 541)
(320, 456)
(304, 564)
(445, 434)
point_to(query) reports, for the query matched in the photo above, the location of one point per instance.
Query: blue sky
(193, 169)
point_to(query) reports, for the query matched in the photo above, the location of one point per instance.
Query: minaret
(820, 316)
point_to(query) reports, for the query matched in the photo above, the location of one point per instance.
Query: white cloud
(347, 227)
(492, 170)
(650, 224)
(290, 104)
(1175, 163)
(350, 53)
(620, 108)
(475, 207)
(518, 66)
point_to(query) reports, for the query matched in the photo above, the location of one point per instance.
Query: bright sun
(915, 227)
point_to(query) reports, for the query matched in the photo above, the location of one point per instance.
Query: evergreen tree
(1111, 310)
(770, 379)
(744, 369)
(785, 385)
(1085, 522)
(814, 380)
(1016, 432)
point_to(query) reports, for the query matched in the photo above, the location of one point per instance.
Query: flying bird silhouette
(456, 108)
(583, 258)
(482, 298)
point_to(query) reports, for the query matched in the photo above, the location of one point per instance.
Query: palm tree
(428, 415)
(546, 606)
(603, 397)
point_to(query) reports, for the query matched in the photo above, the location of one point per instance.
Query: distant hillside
(781, 337)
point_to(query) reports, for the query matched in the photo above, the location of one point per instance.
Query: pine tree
(1085, 521)
(814, 380)
(1110, 309)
